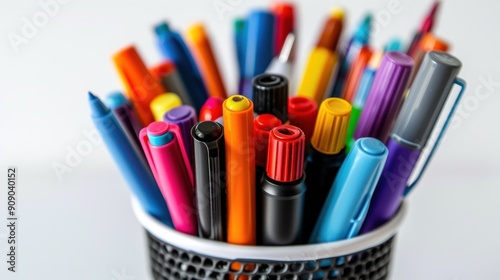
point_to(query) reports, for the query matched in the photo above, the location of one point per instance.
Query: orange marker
(202, 50)
(140, 86)
(240, 166)
(355, 73)
(428, 43)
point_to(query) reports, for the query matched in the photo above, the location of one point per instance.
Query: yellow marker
(162, 103)
(337, 12)
(317, 75)
(331, 126)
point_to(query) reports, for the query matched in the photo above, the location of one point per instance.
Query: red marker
(284, 14)
(282, 190)
(262, 124)
(212, 109)
(302, 112)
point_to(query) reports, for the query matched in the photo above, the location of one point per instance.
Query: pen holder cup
(174, 255)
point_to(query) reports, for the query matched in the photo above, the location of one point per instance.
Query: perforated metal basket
(174, 255)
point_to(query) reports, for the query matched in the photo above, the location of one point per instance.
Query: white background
(82, 227)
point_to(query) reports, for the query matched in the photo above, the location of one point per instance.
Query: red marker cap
(302, 112)
(285, 157)
(284, 14)
(262, 124)
(212, 109)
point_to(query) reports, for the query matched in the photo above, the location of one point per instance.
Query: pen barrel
(389, 191)
(175, 185)
(282, 211)
(210, 187)
(240, 165)
(321, 170)
(137, 175)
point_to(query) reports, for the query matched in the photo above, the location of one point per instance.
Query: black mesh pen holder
(175, 255)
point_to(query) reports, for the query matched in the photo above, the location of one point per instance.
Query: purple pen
(185, 118)
(411, 132)
(385, 97)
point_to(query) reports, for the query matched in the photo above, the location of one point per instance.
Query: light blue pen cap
(349, 198)
(115, 100)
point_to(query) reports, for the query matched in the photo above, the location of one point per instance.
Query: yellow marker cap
(162, 103)
(331, 126)
(338, 13)
(237, 103)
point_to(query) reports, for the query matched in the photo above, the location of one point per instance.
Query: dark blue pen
(174, 48)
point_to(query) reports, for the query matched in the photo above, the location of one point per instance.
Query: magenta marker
(169, 163)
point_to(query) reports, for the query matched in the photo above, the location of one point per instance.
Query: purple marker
(185, 118)
(385, 97)
(411, 132)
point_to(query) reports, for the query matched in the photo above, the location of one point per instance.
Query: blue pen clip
(359, 218)
(462, 84)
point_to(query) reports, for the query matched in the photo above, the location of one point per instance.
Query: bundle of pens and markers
(267, 167)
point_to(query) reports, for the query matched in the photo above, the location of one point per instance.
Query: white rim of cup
(308, 252)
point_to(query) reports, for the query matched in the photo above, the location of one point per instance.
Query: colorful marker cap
(332, 30)
(115, 100)
(426, 98)
(285, 157)
(207, 131)
(163, 103)
(262, 125)
(385, 97)
(362, 34)
(302, 112)
(159, 134)
(432, 43)
(163, 68)
(185, 117)
(237, 103)
(270, 95)
(284, 14)
(331, 126)
(212, 109)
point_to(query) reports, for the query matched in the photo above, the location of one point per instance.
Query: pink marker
(167, 157)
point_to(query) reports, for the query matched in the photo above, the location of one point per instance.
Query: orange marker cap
(141, 87)
(331, 126)
(202, 50)
(432, 43)
(355, 73)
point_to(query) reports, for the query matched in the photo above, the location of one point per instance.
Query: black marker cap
(270, 95)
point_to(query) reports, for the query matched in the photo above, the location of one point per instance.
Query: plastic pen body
(348, 200)
(210, 181)
(259, 47)
(141, 86)
(282, 191)
(202, 49)
(240, 166)
(390, 188)
(411, 132)
(174, 48)
(167, 158)
(326, 156)
(135, 171)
